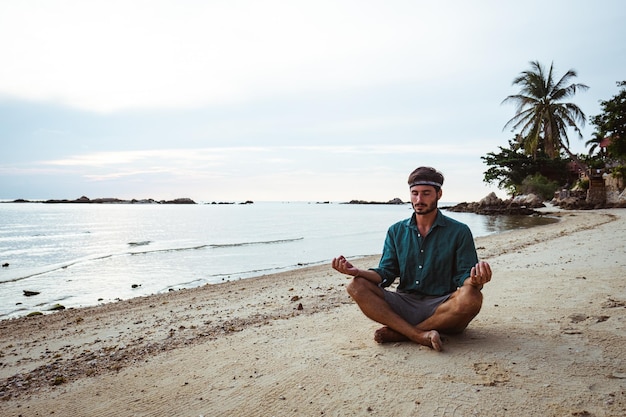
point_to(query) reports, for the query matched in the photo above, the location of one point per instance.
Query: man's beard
(425, 209)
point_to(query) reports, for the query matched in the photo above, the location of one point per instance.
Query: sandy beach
(549, 341)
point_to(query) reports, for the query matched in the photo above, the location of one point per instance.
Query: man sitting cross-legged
(440, 275)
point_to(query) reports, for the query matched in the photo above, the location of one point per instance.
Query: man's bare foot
(433, 340)
(387, 335)
(428, 338)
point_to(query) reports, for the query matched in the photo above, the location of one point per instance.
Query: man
(440, 276)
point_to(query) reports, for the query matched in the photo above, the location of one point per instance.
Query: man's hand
(480, 274)
(342, 265)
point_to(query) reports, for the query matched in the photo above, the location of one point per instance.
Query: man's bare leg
(456, 313)
(452, 316)
(388, 335)
(371, 300)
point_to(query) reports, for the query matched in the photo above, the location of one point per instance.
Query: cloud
(230, 155)
(112, 55)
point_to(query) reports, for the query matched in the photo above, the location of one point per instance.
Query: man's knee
(358, 287)
(469, 300)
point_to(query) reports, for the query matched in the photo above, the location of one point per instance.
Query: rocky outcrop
(578, 200)
(492, 204)
(178, 201)
(527, 200)
(615, 190)
(573, 200)
(394, 201)
(605, 191)
(231, 202)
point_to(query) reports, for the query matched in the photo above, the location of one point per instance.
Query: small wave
(216, 246)
(182, 249)
(263, 242)
(13, 312)
(182, 285)
(33, 272)
(218, 278)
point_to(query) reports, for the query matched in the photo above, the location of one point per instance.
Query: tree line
(538, 158)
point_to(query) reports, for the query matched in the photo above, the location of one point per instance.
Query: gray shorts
(414, 308)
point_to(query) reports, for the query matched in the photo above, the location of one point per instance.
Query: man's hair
(426, 176)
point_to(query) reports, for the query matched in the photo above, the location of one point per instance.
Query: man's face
(424, 199)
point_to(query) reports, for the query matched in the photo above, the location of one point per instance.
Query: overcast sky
(279, 100)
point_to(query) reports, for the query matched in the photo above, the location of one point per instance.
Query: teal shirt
(435, 264)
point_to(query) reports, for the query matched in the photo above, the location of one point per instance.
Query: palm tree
(595, 142)
(541, 115)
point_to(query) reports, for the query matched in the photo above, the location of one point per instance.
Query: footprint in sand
(578, 317)
(611, 303)
(491, 374)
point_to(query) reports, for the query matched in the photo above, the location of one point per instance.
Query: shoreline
(549, 340)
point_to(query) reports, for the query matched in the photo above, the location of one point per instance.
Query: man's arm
(342, 265)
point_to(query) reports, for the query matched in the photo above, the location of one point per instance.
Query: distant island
(86, 200)
(395, 201)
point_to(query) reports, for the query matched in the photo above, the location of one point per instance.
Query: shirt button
(422, 250)
(420, 266)
(417, 282)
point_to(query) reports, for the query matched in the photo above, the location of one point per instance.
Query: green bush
(619, 171)
(539, 185)
(582, 184)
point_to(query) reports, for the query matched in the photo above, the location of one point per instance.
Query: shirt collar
(440, 220)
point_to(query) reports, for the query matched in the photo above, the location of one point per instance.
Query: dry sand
(550, 341)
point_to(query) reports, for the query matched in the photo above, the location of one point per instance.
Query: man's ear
(439, 194)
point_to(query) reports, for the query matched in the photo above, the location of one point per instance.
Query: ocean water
(87, 254)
